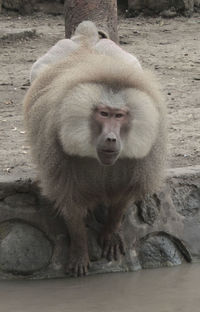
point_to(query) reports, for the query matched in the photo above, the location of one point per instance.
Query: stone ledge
(163, 230)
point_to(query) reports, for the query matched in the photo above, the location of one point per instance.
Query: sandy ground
(168, 46)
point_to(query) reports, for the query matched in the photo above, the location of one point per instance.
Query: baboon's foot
(78, 264)
(112, 245)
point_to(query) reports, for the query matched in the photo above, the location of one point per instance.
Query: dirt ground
(168, 46)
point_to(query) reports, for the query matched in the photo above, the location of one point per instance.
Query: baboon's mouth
(109, 151)
(107, 156)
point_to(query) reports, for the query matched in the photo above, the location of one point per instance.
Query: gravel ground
(170, 47)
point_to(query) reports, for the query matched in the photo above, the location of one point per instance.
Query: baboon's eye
(104, 114)
(119, 115)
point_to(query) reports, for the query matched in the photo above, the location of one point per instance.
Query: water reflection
(160, 290)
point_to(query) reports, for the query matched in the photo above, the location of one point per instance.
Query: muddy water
(174, 289)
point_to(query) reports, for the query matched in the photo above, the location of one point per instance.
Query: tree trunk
(102, 12)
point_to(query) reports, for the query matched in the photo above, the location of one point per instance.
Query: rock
(17, 34)
(21, 201)
(187, 201)
(149, 209)
(154, 5)
(29, 6)
(22, 6)
(162, 230)
(197, 3)
(158, 251)
(168, 7)
(168, 13)
(23, 248)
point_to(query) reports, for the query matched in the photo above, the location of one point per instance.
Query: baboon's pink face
(111, 125)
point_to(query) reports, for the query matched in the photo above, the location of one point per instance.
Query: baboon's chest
(107, 183)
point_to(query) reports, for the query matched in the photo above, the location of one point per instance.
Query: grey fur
(58, 107)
